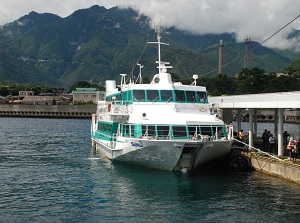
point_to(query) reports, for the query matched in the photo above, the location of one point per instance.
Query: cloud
(258, 19)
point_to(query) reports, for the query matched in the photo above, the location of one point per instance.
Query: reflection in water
(207, 194)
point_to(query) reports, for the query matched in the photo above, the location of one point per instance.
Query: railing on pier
(247, 147)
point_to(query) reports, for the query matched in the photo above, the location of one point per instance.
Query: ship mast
(161, 65)
(158, 31)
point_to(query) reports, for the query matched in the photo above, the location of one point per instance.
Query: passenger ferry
(164, 125)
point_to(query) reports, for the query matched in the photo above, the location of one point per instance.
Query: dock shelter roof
(267, 100)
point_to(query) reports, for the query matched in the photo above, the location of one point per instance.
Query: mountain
(96, 44)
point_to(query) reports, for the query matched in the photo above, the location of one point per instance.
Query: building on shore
(87, 95)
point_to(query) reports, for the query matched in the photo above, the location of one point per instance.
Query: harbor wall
(278, 168)
(47, 111)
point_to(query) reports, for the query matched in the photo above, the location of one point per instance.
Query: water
(49, 173)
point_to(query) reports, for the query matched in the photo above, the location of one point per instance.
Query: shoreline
(47, 111)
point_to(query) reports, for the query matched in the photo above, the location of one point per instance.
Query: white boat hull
(164, 154)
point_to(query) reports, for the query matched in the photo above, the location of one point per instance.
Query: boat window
(127, 96)
(193, 130)
(105, 127)
(125, 130)
(179, 95)
(152, 95)
(108, 98)
(139, 95)
(119, 98)
(206, 130)
(166, 95)
(201, 97)
(179, 131)
(131, 130)
(123, 98)
(150, 130)
(163, 131)
(190, 96)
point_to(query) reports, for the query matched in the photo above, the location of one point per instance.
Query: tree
(86, 84)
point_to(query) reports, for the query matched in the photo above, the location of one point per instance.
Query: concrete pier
(47, 111)
(283, 169)
(278, 166)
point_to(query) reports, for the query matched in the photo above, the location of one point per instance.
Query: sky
(258, 19)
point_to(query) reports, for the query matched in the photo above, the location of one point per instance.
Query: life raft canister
(94, 117)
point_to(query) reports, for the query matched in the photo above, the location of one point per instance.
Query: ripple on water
(49, 173)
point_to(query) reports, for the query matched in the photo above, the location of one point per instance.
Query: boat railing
(172, 133)
(118, 108)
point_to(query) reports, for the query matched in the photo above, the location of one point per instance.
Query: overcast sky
(256, 18)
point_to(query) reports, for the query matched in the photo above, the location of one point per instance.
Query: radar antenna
(195, 77)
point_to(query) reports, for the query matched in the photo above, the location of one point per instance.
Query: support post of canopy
(250, 127)
(238, 119)
(275, 122)
(280, 132)
(255, 122)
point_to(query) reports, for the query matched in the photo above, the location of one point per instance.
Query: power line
(277, 31)
(256, 45)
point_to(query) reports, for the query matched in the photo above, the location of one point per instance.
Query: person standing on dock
(295, 151)
(272, 144)
(289, 147)
(285, 138)
(265, 138)
(241, 137)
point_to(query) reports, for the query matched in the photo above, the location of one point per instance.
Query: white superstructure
(162, 125)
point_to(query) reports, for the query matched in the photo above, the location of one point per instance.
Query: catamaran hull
(164, 154)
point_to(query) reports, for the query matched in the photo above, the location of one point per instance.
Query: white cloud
(258, 19)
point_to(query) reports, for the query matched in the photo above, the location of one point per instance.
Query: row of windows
(160, 96)
(162, 131)
(172, 131)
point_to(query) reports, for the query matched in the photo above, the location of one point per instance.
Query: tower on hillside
(221, 55)
(247, 41)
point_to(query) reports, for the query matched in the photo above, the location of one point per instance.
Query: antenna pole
(140, 74)
(159, 55)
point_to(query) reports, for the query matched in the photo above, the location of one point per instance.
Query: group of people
(269, 142)
(290, 144)
(293, 148)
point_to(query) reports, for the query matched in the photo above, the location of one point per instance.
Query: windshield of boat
(153, 95)
(166, 95)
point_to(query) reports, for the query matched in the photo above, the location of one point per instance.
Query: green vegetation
(7, 88)
(249, 81)
(98, 44)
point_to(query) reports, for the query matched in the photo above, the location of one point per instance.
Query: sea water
(49, 173)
